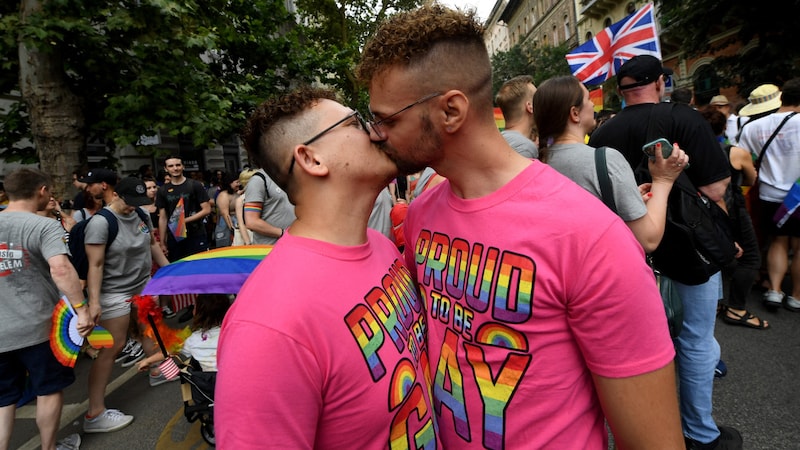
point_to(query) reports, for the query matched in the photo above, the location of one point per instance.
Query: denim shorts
(47, 375)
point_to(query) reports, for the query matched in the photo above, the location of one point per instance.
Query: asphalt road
(760, 396)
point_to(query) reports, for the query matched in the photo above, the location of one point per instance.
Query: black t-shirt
(193, 194)
(627, 132)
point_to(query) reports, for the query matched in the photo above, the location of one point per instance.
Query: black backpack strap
(757, 163)
(606, 188)
(113, 225)
(266, 186)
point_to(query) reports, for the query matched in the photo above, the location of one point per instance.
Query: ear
(575, 114)
(310, 161)
(529, 107)
(455, 106)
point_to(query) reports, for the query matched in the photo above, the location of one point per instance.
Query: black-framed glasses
(355, 114)
(377, 125)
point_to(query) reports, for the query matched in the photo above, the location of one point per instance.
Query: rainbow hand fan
(64, 338)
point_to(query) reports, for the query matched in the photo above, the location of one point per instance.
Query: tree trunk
(56, 116)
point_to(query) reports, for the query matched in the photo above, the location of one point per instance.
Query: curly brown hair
(276, 125)
(427, 40)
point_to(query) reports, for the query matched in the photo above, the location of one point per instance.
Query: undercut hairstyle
(277, 125)
(512, 96)
(441, 48)
(552, 104)
(790, 93)
(716, 119)
(23, 183)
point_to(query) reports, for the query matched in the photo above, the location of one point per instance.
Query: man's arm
(254, 222)
(66, 279)
(162, 229)
(205, 209)
(96, 253)
(642, 410)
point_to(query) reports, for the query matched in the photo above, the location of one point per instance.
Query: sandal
(744, 320)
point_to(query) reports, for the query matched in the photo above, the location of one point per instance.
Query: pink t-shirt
(528, 291)
(325, 348)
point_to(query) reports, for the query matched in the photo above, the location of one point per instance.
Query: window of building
(555, 36)
(706, 84)
(566, 27)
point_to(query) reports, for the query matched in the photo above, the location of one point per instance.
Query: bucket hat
(763, 98)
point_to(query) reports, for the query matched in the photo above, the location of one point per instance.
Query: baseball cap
(645, 69)
(99, 176)
(133, 191)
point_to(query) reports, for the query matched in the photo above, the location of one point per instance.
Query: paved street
(760, 395)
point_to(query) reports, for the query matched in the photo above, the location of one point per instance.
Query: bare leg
(778, 261)
(48, 417)
(100, 372)
(6, 425)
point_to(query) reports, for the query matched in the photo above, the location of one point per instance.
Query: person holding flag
(182, 205)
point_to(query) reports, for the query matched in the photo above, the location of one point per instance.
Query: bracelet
(80, 305)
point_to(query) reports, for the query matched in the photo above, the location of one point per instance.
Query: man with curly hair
(544, 319)
(329, 326)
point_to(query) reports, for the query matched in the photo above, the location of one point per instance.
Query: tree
(770, 24)
(338, 30)
(539, 62)
(125, 69)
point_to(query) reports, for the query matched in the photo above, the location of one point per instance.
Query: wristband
(80, 305)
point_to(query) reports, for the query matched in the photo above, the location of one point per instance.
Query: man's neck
(789, 108)
(22, 206)
(177, 180)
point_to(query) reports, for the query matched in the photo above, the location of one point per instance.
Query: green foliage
(770, 24)
(541, 63)
(336, 31)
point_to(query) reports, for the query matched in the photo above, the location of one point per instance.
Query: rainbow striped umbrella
(219, 271)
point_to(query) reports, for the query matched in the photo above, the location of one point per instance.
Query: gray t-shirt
(380, 219)
(275, 206)
(27, 292)
(576, 162)
(128, 258)
(521, 144)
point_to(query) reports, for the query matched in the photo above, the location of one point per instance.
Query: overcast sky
(484, 7)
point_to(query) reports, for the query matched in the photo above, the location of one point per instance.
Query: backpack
(698, 239)
(77, 239)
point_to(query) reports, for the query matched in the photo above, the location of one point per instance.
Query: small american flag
(599, 59)
(180, 301)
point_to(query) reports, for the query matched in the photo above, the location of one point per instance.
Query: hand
(94, 310)
(85, 322)
(644, 191)
(667, 170)
(142, 366)
(739, 250)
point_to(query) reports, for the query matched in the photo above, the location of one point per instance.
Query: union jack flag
(599, 59)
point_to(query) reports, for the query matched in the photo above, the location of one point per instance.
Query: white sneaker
(109, 420)
(71, 442)
(792, 304)
(773, 298)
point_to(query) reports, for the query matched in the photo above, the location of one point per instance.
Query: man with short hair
(331, 316)
(779, 169)
(535, 336)
(35, 270)
(515, 100)
(641, 83)
(182, 204)
(721, 104)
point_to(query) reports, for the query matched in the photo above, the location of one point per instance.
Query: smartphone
(649, 149)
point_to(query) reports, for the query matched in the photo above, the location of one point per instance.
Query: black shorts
(47, 375)
(768, 227)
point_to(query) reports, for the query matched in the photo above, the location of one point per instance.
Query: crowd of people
(424, 257)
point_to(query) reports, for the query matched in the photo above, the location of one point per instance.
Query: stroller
(197, 389)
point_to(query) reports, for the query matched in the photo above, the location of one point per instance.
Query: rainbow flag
(177, 221)
(499, 120)
(789, 206)
(219, 271)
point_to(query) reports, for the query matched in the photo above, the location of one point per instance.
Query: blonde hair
(245, 176)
